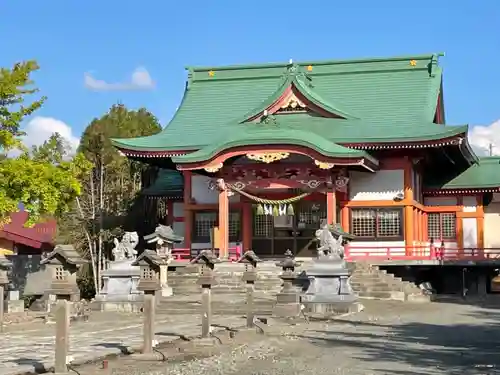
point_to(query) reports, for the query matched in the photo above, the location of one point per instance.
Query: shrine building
(264, 152)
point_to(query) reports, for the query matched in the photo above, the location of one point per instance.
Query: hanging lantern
(289, 210)
(260, 210)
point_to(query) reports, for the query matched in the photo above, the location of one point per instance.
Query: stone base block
(328, 310)
(287, 310)
(127, 304)
(14, 306)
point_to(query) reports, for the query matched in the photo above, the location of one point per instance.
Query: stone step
(393, 295)
(218, 307)
(182, 279)
(258, 284)
(379, 288)
(221, 288)
(418, 298)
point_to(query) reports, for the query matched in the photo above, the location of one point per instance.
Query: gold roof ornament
(309, 68)
(214, 168)
(211, 73)
(292, 102)
(413, 62)
(268, 157)
(323, 165)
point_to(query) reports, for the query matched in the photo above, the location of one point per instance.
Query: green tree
(15, 87)
(46, 185)
(111, 186)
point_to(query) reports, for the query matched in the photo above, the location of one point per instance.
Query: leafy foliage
(42, 180)
(110, 187)
(14, 87)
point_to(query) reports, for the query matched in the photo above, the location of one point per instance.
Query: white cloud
(39, 129)
(481, 137)
(139, 80)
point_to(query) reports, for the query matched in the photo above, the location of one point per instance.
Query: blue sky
(110, 39)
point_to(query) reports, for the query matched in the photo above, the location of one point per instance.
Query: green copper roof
(388, 99)
(482, 175)
(335, 130)
(272, 134)
(168, 184)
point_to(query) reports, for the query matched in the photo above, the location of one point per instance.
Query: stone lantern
(164, 238)
(250, 259)
(288, 299)
(5, 266)
(61, 266)
(207, 260)
(149, 263)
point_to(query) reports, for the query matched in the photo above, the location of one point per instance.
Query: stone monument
(329, 290)
(119, 291)
(164, 237)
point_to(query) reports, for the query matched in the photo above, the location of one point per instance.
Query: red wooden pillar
(223, 223)
(246, 214)
(188, 214)
(331, 207)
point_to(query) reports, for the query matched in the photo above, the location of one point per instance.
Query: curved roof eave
(126, 142)
(309, 140)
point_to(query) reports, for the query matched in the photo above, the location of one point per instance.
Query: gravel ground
(387, 338)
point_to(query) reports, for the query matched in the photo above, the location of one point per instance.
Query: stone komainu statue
(125, 249)
(328, 245)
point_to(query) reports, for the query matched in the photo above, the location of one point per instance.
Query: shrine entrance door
(273, 235)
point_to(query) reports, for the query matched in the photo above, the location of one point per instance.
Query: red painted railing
(388, 253)
(183, 254)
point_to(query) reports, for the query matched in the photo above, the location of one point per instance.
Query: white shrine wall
(382, 185)
(492, 225)
(203, 195)
(379, 186)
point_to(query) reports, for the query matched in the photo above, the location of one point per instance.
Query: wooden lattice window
(263, 226)
(204, 221)
(442, 226)
(203, 224)
(310, 215)
(377, 223)
(234, 226)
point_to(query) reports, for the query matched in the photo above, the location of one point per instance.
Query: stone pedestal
(329, 291)
(288, 299)
(166, 290)
(119, 291)
(13, 304)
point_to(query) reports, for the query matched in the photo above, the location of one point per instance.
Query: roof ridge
(314, 62)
